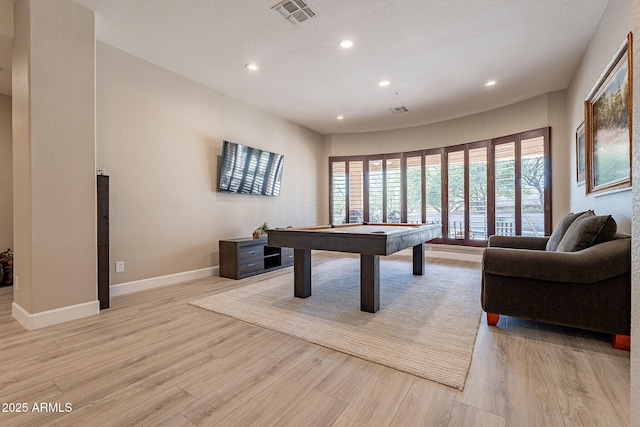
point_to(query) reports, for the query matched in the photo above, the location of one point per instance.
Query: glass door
(478, 196)
(433, 187)
(356, 191)
(375, 198)
(415, 193)
(338, 188)
(393, 189)
(506, 194)
(533, 167)
(456, 194)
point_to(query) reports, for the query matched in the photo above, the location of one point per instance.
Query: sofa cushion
(608, 232)
(561, 229)
(587, 231)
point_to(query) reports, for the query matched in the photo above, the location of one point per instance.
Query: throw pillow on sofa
(561, 229)
(588, 231)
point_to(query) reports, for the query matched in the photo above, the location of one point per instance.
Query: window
(478, 192)
(456, 194)
(505, 188)
(500, 186)
(338, 192)
(521, 188)
(415, 205)
(356, 191)
(347, 191)
(533, 186)
(394, 191)
(433, 188)
(376, 179)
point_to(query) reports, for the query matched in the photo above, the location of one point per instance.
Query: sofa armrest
(594, 264)
(518, 242)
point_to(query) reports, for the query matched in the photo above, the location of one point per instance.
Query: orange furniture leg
(621, 342)
(492, 319)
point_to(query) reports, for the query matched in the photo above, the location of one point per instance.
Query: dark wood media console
(244, 257)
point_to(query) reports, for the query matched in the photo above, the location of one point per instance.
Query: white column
(54, 162)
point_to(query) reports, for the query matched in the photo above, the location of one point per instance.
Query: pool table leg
(302, 273)
(418, 260)
(369, 283)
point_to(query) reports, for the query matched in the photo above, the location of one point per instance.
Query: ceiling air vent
(399, 110)
(294, 11)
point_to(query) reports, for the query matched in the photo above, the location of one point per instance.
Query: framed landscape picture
(580, 154)
(608, 125)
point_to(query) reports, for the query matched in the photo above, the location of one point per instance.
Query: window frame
(490, 145)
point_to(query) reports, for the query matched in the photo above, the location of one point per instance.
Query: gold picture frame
(607, 111)
(581, 163)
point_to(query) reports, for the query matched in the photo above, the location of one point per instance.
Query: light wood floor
(152, 359)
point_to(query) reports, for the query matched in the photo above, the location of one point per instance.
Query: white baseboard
(157, 282)
(65, 314)
(53, 317)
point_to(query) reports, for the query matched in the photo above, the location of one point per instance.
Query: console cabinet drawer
(244, 257)
(250, 266)
(250, 253)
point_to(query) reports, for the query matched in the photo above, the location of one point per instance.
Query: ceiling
(437, 55)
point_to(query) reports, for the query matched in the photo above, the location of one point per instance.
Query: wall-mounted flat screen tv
(248, 170)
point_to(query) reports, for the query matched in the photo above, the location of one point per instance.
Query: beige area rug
(426, 325)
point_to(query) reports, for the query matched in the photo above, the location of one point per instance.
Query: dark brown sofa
(588, 288)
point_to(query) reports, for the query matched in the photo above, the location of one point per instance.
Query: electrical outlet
(119, 266)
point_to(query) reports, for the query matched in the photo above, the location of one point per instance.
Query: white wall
(534, 113)
(635, 235)
(6, 175)
(159, 136)
(615, 24)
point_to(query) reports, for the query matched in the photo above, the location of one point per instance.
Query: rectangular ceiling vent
(294, 11)
(399, 110)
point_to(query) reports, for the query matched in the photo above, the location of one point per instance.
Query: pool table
(367, 239)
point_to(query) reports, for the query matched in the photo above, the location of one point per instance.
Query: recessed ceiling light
(340, 117)
(346, 43)
(384, 83)
(251, 66)
(491, 83)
